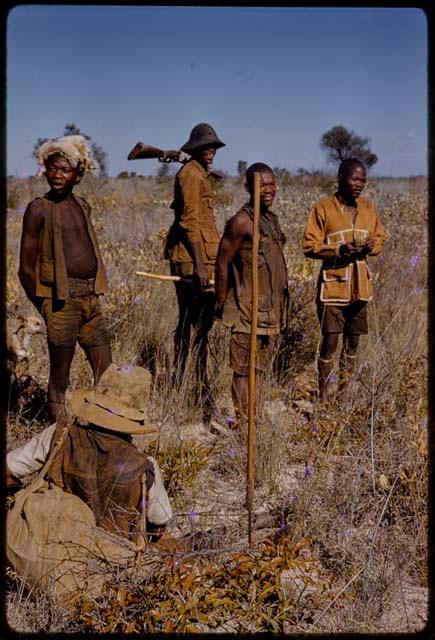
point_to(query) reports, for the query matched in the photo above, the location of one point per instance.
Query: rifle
(143, 151)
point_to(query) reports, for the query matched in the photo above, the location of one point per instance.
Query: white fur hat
(74, 148)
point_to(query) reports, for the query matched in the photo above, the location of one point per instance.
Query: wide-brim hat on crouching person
(202, 135)
(118, 401)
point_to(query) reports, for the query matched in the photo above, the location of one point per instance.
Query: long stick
(252, 354)
(161, 276)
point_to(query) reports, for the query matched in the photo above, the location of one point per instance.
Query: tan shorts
(76, 319)
(239, 352)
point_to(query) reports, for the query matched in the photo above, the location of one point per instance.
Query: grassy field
(343, 491)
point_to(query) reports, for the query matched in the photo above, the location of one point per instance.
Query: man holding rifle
(234, 286)
(191, 249)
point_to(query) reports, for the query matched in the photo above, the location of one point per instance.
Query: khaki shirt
(342, 280)
(194, 216)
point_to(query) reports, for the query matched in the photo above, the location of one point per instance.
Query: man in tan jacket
(61, 267)
(191, 248)
(342, 230)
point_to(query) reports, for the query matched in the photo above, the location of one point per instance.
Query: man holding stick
(191, 248)
(233, 284)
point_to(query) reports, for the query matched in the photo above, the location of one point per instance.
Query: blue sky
(270, 80)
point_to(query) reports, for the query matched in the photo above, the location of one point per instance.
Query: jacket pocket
(335, 285)
(365, 285)
(336, 274)
(210, 240)
(46, 270)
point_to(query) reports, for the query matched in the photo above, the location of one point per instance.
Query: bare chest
(73, 221)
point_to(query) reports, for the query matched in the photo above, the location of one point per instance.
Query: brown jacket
(194, 217)
(50, 270)
(342, 280)
(272, 281)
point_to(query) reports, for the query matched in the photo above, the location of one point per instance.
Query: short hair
(257, 167)
(348, 164)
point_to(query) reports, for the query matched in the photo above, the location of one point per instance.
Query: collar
(340, 205)
(199, 167)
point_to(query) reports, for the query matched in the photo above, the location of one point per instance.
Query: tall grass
(344, 486)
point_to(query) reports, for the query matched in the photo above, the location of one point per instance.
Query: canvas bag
(53, 543)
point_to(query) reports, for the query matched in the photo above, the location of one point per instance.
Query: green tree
(72, 129)
(339, 143)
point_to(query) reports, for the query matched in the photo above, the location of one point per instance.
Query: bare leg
(347, 362)
(325, 362)
(182, 331)
(99, 358)
(60, 365)
(240, 396)
(203, 316)
(239, 393)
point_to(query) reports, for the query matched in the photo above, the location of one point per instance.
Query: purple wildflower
(192, 515)
(230, 420)
(414, 260)
(308, 471)
(343, 516)
(418, 290)
(231, 452)
(314, 428)
(333, 378)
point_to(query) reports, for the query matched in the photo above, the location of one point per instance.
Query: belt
(79, 287)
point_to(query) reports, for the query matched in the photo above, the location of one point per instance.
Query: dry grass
(344, 488)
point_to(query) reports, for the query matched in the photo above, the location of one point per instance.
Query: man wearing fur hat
(191, 248)
(98, 461)
(61, 268)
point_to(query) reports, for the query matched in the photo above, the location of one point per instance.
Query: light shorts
(76, 319)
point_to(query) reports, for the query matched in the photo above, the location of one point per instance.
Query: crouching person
(98, 461)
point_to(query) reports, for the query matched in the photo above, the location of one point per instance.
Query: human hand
(368, 245)
(347, 250)
(202, 275)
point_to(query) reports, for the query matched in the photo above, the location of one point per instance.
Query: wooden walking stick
(252, 354)
(161, 276)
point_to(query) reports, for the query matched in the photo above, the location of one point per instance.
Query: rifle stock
(143, 151)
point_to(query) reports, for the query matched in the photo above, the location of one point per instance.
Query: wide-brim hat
(202, 135)
(117, 402)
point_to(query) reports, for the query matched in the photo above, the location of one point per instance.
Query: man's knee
(350, 343)
(329, 345)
